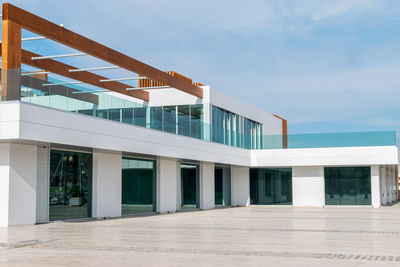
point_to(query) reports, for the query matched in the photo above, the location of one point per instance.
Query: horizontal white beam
(123, 79)
(91, 92)
(33, 38)
(58, 56)
(66, 83)
(34, 73)
(145, 88)
(98, 68)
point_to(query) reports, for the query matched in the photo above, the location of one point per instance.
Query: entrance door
(70, 185)
(138, 186)
(222, 186)
(189, 186)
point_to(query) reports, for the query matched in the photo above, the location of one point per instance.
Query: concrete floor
(258, 235)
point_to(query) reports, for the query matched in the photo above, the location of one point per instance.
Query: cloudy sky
(324, 65)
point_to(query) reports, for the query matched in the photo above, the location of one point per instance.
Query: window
(271, 186)
(156, 118)
(347, 186)
(170, 119)
(184, 120)
(196, 121)
(138, 186)
(70, 185)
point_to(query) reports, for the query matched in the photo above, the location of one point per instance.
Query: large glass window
(114, 114)
(138, 186)
(222, 186)
(127, 115)
(70, 185)
(170, 119)
(156, 118)
(271, 186)
(347, 186)
(139, 115)
(189, 186)
(196, 121)
(184, 120)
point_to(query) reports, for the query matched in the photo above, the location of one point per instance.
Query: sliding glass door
(70, 191)
(189, 186)
(138, 186)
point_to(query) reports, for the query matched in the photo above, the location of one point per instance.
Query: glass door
(70, 185)
(189, 186)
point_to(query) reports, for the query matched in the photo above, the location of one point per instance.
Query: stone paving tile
(258, 235)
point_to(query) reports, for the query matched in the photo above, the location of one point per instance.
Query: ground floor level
(43, 183)
(256, 235)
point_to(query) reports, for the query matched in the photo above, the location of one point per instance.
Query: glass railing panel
(81, 98)
(321, 140)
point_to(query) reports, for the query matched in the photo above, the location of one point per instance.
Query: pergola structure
(12, 56)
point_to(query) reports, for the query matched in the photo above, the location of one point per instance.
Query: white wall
(42, 124)
(167, 191)
(17, 184)
(240, 182)
(308, 186)
(333, 156)
(375, 186)
(107, 184)
(207, 185)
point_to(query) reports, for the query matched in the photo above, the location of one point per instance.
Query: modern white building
(165, 144)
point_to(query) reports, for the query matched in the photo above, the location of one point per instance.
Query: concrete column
(168, 173)
(240, 186)
(226, 187)
(393, 189)
(308, 186)
(207, 185)
(383, 185)
(375, 186)
(18, 170)
(107, 184)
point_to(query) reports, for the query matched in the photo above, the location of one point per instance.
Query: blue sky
(323, 65)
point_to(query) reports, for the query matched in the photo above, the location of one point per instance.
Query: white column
(207, 185)
(240, 186)
(308, 186)
(226, 187)
(18, 165)
(393, 184)
(167, 184)
(42, 184)
(107, 184)
(383, 184)
(375, 186)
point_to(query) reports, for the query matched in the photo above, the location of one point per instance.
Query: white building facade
(61, 165)
(163, 145)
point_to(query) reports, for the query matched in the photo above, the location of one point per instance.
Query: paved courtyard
(262, 235)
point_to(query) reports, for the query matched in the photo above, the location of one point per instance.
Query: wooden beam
(83, 76)
(284, 131)
(11, 60)
(59, 34)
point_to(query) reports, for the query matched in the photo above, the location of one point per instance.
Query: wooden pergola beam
(61, 35)
(83, 76)
(11, 60)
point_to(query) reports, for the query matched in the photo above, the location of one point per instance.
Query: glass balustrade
(185, 120)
